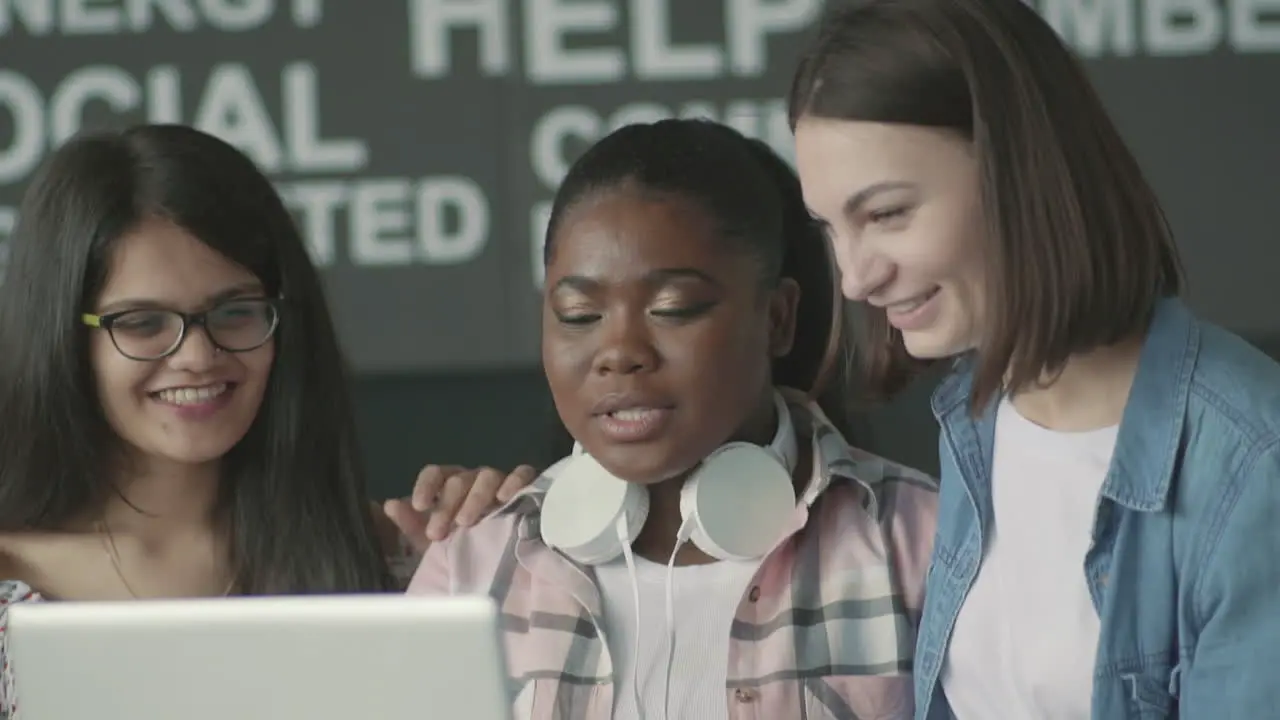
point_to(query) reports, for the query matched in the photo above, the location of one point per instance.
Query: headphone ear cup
(689, 527)
(738, 503)
(581, 510)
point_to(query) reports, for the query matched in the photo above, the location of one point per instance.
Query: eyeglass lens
(235, 326)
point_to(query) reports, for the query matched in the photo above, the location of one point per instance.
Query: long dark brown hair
(292, 490)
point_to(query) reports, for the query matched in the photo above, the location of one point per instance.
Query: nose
(863, 270)
(197, 352)
(626, 349)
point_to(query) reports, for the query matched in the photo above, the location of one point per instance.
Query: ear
(784, 301)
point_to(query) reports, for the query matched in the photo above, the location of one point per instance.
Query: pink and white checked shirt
(826, 630)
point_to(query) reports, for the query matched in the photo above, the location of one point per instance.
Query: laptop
(336, 657)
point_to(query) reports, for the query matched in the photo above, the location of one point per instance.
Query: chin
(932, 345)
(636, 464)
(190, 455)
(193, 451)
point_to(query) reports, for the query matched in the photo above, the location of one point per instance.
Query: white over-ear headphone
(735, 505)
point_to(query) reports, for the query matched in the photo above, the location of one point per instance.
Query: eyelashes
(881, 217)
(576, 318)
(685, 313)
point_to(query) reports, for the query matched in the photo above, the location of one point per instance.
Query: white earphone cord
(630, 558)
(682, 537)
(686, 529)
(784, 452)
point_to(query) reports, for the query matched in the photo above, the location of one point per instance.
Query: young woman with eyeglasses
(174, 412)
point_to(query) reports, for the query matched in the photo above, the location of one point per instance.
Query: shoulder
(902, 501)
(1232, 575)
(852, 476)
(1227, 474)
(1236, 386)
(874, 510)
(1230, 438)
(493, 534)
(469, 559)
(898, 526)
(890, 489)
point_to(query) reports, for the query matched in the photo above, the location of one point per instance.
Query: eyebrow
(235, 291)
(659, 277)
(855, 201)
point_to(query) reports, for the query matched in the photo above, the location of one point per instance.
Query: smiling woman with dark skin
(688, 304)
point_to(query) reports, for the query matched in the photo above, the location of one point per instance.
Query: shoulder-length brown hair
(1079, 251)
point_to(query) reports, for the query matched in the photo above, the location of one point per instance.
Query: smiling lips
(191, 395)
(911, 314)
(195, 402)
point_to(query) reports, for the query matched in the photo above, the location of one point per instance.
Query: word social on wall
(282, 134)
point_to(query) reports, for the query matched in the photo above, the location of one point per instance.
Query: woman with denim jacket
(1110, 464)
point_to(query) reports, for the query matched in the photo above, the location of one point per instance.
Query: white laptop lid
(389, 657)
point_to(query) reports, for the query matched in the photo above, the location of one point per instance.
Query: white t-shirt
(1025, 640)
(705, 601)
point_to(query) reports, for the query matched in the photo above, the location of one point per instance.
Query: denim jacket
(1184, 566)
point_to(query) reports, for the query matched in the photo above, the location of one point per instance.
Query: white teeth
(631, 413)
(191, 395)
(907, 306)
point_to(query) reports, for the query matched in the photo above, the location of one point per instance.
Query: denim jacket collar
(1151, 428)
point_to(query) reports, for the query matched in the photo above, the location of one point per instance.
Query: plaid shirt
(825, 632)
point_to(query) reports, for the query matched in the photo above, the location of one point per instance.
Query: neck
(657, 540)
(159, 498)
(1090, 392)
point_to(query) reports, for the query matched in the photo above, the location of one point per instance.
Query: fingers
(445, 507)
(519, 479)
(446, 496)
(482, 497)
(411, 523)
(430, 480)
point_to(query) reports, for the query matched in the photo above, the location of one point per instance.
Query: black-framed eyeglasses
(237, 325)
